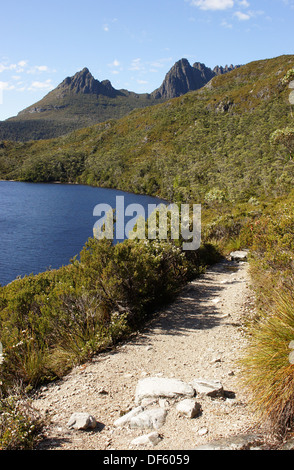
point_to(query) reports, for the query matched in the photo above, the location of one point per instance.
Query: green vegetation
(74, 111)
(216, 138)
(268, 373)
(57, 319)
(20, 426)
(228, 146)
(51, 321)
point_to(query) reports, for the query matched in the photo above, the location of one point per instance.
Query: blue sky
(133, 43)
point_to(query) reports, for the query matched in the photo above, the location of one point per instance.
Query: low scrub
(54, 320)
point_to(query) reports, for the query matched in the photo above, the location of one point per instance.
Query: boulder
(149, 419)
(159, 387)
(239, 255)
(82, 421)
(125, 419)
(210, 388)
(189, 408)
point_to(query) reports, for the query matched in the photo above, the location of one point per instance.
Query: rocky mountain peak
(84, 82)
(183, 77)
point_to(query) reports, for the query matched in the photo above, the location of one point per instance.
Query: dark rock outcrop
(183, 77)
(84, 82)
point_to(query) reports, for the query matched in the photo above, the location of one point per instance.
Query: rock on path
(197, 338)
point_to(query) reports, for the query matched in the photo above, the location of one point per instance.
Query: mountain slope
(81, 101)
(206, 146)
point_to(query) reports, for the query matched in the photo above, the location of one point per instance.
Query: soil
(201, 334)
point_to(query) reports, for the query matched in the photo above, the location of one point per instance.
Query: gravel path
(199, 335)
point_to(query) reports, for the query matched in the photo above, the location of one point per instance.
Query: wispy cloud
(212, 4)
(17, 76)
(137, 64)
(36, 85)
(237, 9)
(242, 16)
(6, 86)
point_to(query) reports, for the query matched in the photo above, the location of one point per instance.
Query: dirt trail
(199, 335)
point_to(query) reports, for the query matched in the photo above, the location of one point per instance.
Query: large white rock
(149, 419)
(159, 387)
(82, 421)
(125, 419)
(239, 255)
(189, 408)
(211, 388)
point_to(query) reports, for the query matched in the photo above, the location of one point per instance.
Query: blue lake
(43, 226)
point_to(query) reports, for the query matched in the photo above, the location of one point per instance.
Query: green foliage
(284, 137)
(56, 319)
(213, 146)
(20, 425)
(267, 371)
(288, 77)
(181, 149)
(73, 112)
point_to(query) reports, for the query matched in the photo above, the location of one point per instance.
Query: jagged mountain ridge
(81, 100)
(183, 78)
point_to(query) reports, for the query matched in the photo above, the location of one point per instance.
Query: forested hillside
(211, 144)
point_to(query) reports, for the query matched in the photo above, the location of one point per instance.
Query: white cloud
(42, 68)
(6, 86)
(47, 85)
(136, 64)
(242, 16)
(4, 67)
(115, 63)
(212, 4)
(22, 63)
(244, 3)
(38, 68)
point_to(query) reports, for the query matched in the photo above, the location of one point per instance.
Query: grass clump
(268, 374)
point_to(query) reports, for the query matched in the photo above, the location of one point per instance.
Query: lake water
(43, 226)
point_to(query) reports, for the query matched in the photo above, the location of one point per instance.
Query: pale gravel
(201, 334)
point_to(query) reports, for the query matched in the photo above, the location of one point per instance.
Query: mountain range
(81, 100)
(210, 145)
